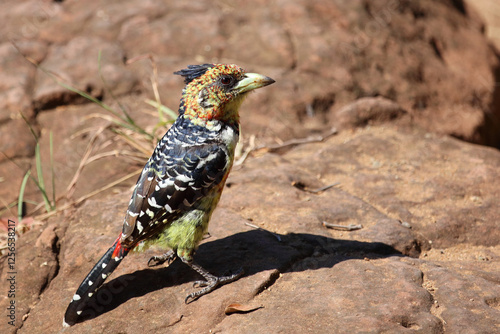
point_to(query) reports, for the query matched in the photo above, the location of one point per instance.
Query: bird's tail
(95, 278)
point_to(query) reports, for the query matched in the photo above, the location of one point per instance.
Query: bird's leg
(211, 281)
(168, 257)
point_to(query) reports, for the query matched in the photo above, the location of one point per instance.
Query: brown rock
(304, 275)
(332, 299)
(368, 110)
(34, 269)
(16, 140)
(76, 64)
(465, 300)
(17, 78)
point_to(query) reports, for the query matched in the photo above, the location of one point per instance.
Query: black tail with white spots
(95, 278)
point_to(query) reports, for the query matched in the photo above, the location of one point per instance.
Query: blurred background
(428, 63)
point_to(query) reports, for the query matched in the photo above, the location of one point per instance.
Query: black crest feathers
(193, 72)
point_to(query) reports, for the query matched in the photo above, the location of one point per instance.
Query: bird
(182, 182)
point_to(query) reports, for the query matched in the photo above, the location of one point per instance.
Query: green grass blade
(164, 109)
(53, 176)
(40, 183)
(21, 196)
(38, 163)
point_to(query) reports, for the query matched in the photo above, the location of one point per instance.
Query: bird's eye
(226, 80)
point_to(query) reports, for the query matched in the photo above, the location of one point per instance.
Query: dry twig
(302, 187)
(350, 227)
(263, 229)
(286, 144)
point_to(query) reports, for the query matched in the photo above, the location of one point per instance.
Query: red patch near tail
(119, 250)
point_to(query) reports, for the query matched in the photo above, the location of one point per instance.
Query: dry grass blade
(120, 131)
(7, 207)
(115, 153)
(89, 195)
(154, 81)
(71, 187)
(145, 151)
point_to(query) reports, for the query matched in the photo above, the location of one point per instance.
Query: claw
(200, 284)
(152, 263)
(191, 295)
(156, 260)
(211, 284)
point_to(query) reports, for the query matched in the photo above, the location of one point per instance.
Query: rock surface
(407, 269)
(396, 78)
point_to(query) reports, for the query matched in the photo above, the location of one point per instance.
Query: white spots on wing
(104, 276)
(90, 283)
(166, 183)
(76, 297)
(104, 265)
(150, 178)
(168, 208)
(150, 213)
(211, 157)
(184, 178)
(90, 294)
(139, 227)
(179, 188)
(152, 202)
(141, 214)
(132, 214)
(78, 312)
(203, 162)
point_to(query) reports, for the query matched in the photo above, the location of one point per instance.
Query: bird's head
(214, 92)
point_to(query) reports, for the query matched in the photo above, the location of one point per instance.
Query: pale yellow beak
(252, 81)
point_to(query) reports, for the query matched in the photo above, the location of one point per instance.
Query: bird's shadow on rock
(255, 251)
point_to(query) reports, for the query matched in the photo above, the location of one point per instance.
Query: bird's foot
(210, 284)
(168, 257)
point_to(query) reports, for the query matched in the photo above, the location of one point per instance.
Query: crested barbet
(182, 181)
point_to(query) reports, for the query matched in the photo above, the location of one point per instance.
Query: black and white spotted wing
(174, 179)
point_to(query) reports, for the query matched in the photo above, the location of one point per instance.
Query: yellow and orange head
(216, 91)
